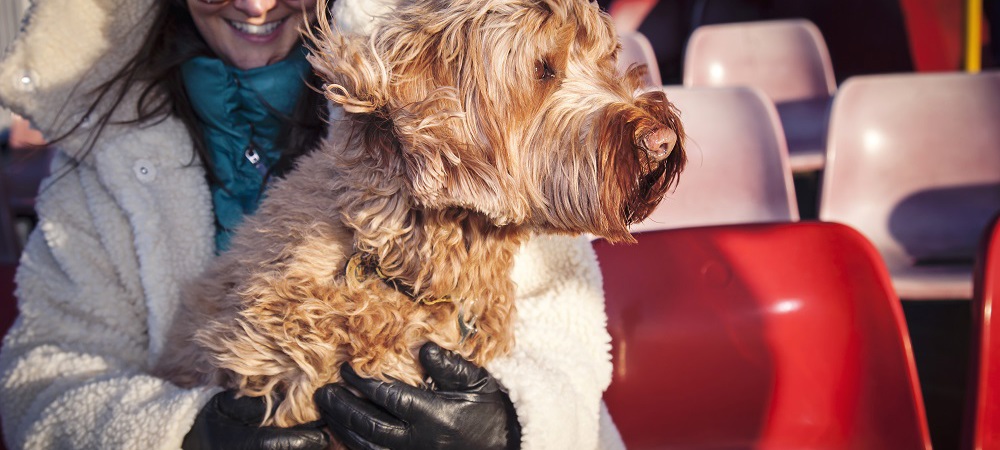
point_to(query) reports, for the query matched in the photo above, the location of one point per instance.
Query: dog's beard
(595, 177)
(636, 183)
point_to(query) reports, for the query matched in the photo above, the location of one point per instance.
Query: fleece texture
(360, 16)
(124, 227)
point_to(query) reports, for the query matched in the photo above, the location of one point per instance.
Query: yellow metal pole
(973, 35)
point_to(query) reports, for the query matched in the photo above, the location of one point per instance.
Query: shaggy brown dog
(468, 126)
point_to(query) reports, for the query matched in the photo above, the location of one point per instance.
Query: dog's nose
(659, 143)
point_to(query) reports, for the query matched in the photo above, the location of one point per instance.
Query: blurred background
(696, 45)
(863, 36)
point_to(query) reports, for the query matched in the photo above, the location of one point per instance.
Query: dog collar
(364, 265)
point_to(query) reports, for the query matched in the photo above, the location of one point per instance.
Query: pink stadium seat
(787, 59)
(636, 49)
(758, 336)
(983, 413)
(628, 15)
(737, 169)
(914, 164)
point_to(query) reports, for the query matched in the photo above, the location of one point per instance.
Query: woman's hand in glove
(227, 422)
(467, 409)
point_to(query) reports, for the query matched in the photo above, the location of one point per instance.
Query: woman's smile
(251, 33)
(256, 30)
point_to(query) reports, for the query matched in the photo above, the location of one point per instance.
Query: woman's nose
(254, 8)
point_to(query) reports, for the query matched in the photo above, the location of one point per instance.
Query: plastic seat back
(983, 415)
(787, 59)
(764, 336)
(737, 170)
(637, 50)
(913, 163)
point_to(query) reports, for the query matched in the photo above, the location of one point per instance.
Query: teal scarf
(242, 113)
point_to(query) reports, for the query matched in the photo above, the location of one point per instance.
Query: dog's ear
(408, 78)
(355, 77)
(447, 168)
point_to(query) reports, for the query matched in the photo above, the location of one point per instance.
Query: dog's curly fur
(466, 127)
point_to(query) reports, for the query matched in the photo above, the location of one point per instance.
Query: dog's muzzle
(658, 143)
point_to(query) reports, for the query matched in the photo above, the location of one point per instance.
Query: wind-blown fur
(466, 127)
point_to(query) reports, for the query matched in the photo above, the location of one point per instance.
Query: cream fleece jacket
(121, 232)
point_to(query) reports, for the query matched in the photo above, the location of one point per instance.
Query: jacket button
(26, 81)
(144, 170)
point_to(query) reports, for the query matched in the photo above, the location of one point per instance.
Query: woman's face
(250, 33)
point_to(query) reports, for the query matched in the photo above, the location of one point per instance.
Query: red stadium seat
(763, 336)
(983, 415)
(913, 163)
(787, 59)
(737, 170)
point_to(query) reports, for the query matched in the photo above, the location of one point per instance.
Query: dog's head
(511, 108)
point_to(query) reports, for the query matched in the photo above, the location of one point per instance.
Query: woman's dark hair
(172, 40)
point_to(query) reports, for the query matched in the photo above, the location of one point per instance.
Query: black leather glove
(231, 423)
(467, 409)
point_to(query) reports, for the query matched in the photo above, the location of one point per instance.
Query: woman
(170, 115)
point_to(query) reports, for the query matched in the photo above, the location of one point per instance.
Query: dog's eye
(543, 71)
